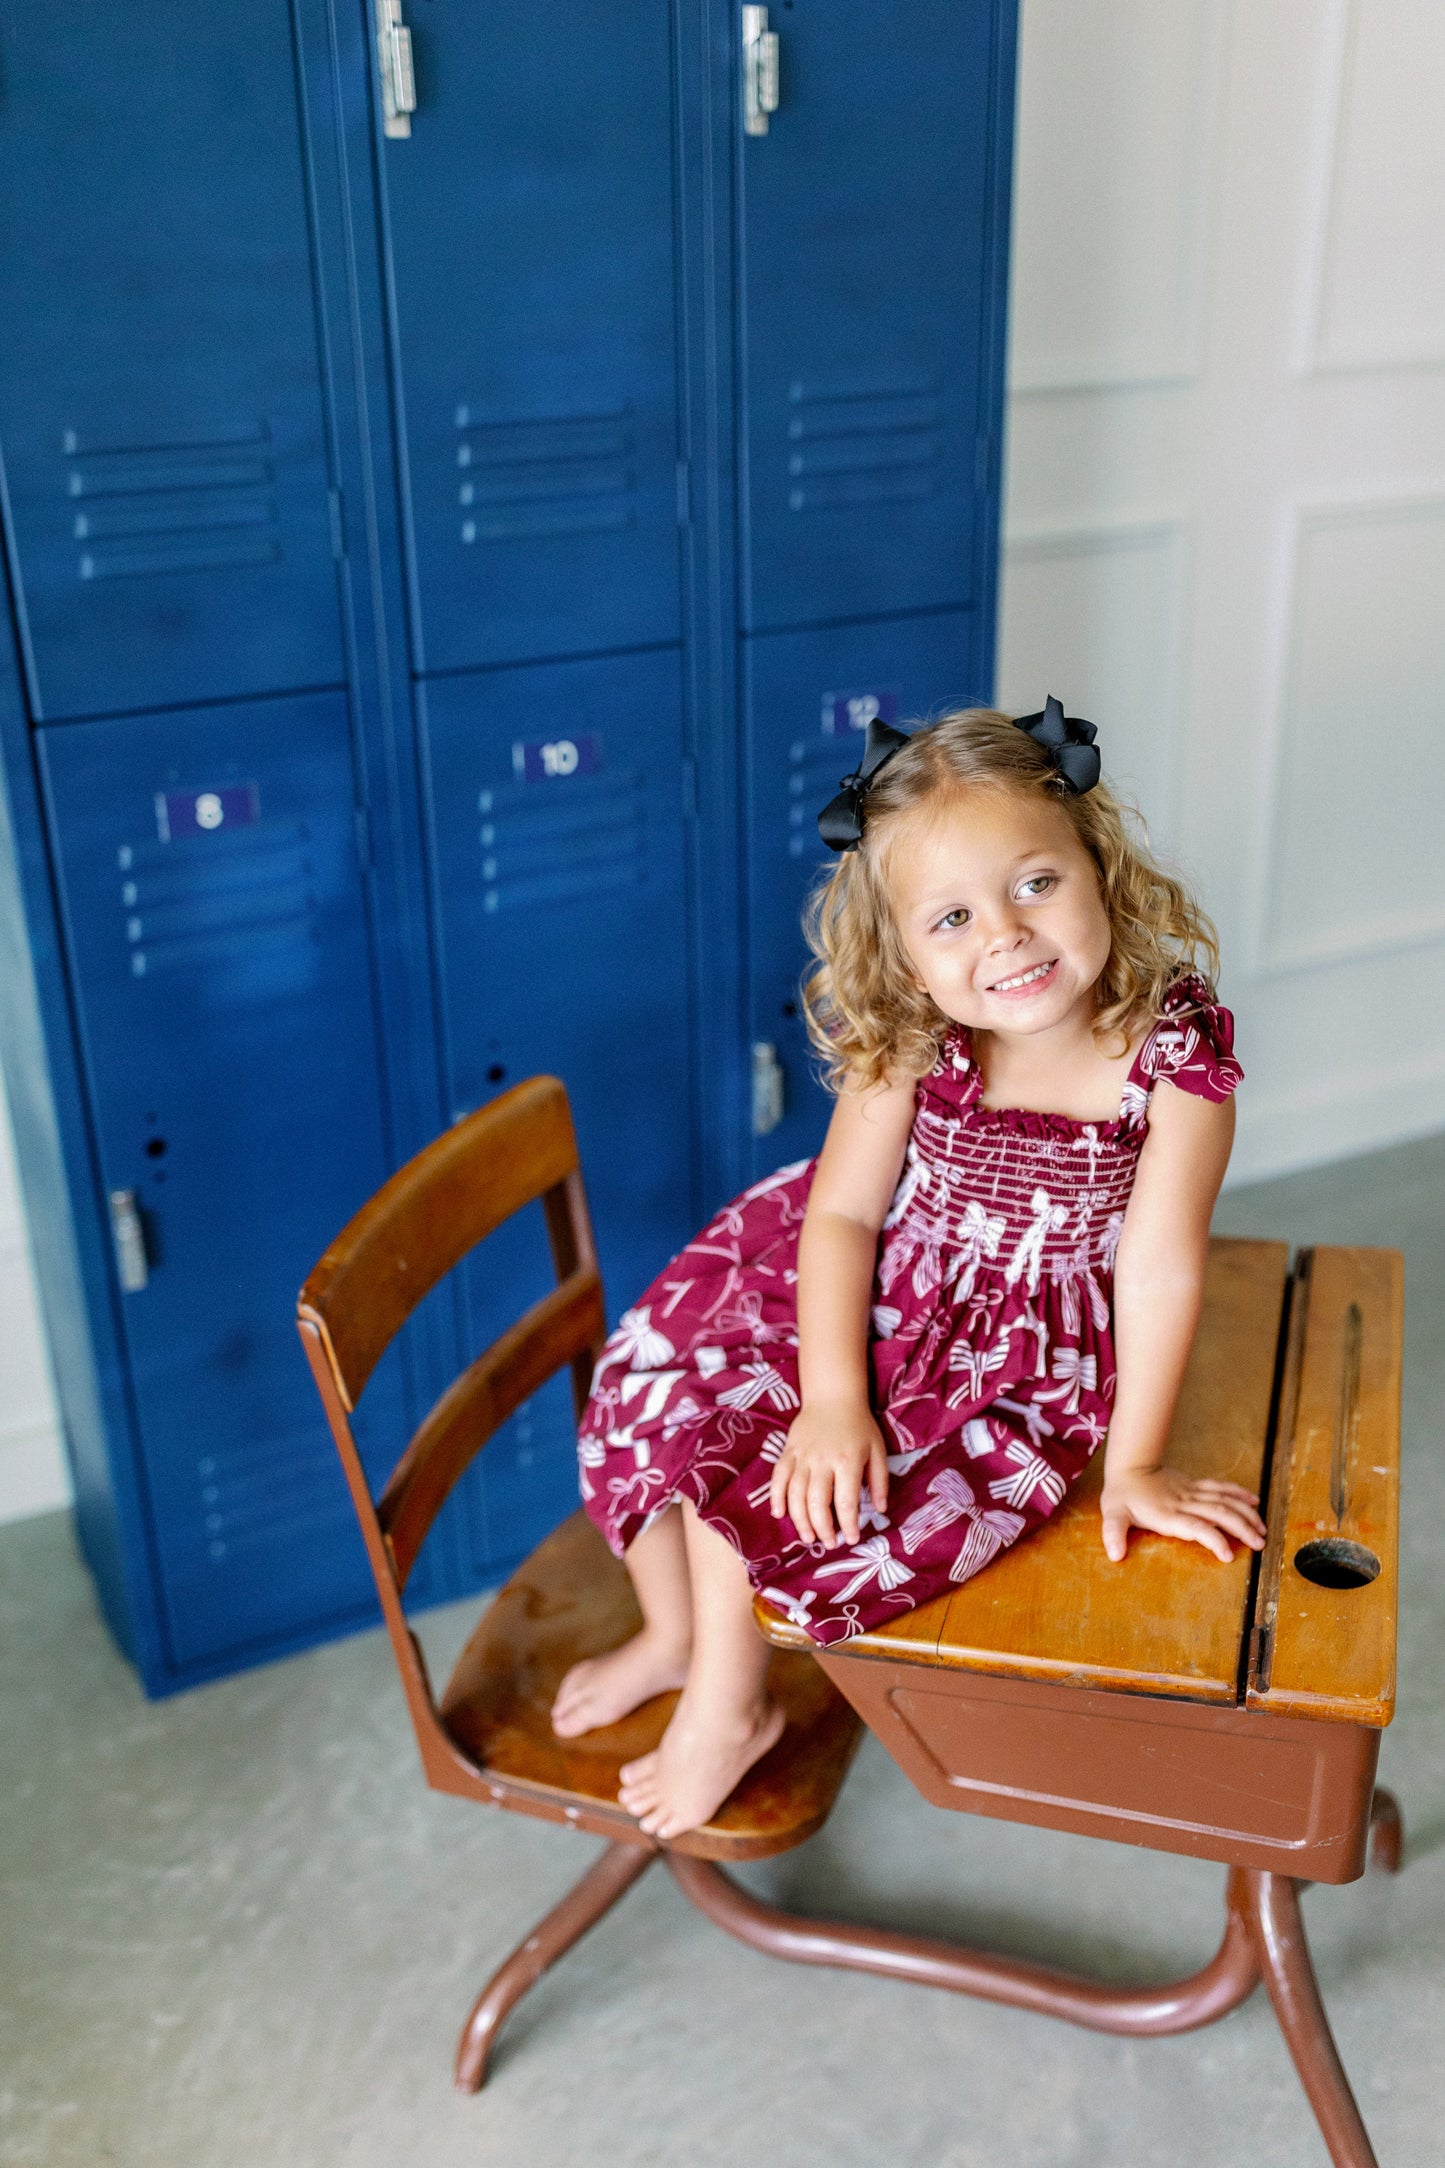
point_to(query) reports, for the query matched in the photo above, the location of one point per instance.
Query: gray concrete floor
(238, 1932)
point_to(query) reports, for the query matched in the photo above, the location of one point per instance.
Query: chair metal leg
(608, 1878)
(1284, 1959)
(1217, 1988)
(1387, 1832)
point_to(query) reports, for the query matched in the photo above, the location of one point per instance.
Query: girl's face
(998, 906)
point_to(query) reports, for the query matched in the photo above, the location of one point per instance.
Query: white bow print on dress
(987, 1535)
(870, 1561)
(638, 1338)
(980, 1238)
(760, 1382)
(1031, 1473)
(1028, 1256)
(950, 1497)
(1074, 1371)
(977, 1365)
(794, 1608)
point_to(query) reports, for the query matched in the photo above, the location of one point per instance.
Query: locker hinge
(338, 524)
(760, 71)
(398, 80)
(767, 1088)
(982, 449)
(363, 838)
(684, 494)
(689, 789)
(131, 1263)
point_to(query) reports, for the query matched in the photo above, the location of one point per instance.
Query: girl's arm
(834, 1436)
(1158, 1291)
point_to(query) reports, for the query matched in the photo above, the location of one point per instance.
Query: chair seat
(573, 1599)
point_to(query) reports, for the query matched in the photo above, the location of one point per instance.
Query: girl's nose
(1003, 932)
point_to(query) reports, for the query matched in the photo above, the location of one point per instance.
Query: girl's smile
(999, 911)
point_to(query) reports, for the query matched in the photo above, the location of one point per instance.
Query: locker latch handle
(760, 71)
(131, 1262)
(767, 1088)
(398, 79)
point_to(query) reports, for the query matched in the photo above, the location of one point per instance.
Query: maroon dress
(991, 1352)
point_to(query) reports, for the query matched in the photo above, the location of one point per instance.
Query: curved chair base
(609, 1877)
(1263, 1938)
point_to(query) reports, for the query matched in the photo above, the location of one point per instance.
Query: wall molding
(1179, 361)
(1314, 354)
(1366, 1111)
(1388, 932)
(1169, 533)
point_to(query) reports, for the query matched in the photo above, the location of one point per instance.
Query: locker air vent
(249, 1495)
(233, 904)
(191, 503)
(562, 842)
(861, 444)
(561, 474)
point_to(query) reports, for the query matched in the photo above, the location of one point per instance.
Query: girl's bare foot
(604, 1689)
(700, 1760)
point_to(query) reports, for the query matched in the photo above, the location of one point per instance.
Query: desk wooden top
(1293, 1388)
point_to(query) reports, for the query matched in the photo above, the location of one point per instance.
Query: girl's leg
(606, 1688)
(724, 1721)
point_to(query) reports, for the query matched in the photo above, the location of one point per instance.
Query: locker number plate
(843, 712)
(551, 758)
(201, 812)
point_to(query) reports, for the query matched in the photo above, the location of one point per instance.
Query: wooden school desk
(1229, 1712)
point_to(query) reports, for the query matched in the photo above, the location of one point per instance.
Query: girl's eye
(1039, 885)
(952, 920)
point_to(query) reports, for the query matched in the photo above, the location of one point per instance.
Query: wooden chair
(489, 1736)
(1228, 1713)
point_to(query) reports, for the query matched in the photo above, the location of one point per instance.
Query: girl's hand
(820, 1471)
(1204, 1512)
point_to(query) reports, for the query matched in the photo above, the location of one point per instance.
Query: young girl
(876, 1370)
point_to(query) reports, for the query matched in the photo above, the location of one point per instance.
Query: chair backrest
(519, 1149)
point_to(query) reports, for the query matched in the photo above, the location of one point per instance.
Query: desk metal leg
(1284, 1959)
(1212, 1992)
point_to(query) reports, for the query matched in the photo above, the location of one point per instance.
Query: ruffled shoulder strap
(1192, 1044)
(954, 1081)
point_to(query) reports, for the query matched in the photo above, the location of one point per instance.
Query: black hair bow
(840, 823)
(1068, 740)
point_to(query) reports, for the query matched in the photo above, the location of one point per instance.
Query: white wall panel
(1377, 266)
(33, 1476)
(1116, 134)
(1356, 861)
(1095, 617)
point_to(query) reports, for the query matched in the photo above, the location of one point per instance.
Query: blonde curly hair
(867, 1015)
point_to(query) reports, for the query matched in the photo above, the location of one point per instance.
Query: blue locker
(864, 313)
(398, 527)
(530, 221)
(556, 803)
(212, 905)
(161, 420)
(810, 696)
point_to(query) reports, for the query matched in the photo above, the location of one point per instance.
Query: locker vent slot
(856, 444)
(561, 474)
(192, 503)
(250, 1495)
(209, 902)
(562, 842)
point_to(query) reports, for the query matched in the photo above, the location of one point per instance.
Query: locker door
(809, 697)
(863, 223)
(214, 914)
(531, 227)
(557, 836)
(160, 408)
